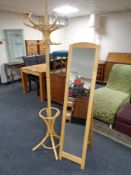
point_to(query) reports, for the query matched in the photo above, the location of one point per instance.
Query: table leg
(24, 82)
(41, 86)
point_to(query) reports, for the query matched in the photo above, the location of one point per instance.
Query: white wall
(58, 37)
(14, 21)
(113, 35)
(78, 31)
(116, 33)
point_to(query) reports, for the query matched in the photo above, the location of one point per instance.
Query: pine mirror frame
(62, 154)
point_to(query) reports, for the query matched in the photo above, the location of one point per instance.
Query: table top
(14, 64)
(40, 68)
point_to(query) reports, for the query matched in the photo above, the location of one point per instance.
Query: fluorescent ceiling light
(66, 10)
(92, 20)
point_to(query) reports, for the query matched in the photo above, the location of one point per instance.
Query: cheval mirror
(80, 82)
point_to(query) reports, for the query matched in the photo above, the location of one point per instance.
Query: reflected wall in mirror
(76, 135)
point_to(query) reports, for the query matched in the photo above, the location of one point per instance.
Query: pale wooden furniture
(49, 121)
(92, 57)
(31, 47)
(46, 29)
(37, 70)
(115, 58)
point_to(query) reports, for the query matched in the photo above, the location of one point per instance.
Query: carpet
(21, 129)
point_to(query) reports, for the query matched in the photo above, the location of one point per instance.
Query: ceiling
(85, 7)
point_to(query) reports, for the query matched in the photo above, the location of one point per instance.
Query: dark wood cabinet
(80, 107)
(57, 87)
(100, 72)
(108, 67)
(57, 95)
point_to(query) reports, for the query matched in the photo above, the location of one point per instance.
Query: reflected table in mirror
(77, 108)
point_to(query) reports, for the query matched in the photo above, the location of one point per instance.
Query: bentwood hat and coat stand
(46, 30)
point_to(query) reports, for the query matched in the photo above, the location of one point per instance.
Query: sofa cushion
(107, 102)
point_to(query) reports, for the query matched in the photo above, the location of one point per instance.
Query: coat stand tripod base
(50, 133)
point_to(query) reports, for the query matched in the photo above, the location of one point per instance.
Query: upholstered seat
(108, 100)
(58, 60)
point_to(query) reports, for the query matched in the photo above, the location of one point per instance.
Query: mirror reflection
(78, 98)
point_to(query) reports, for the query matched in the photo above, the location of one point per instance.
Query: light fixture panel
(66, 10)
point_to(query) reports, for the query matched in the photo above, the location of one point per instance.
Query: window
(15, 43)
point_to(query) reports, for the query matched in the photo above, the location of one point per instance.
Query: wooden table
(37, 70)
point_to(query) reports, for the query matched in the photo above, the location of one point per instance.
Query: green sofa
(117, 92)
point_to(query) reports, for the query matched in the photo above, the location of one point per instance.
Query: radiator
(3, 74)
(10, 72)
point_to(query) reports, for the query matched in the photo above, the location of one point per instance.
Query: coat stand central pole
(49, 119)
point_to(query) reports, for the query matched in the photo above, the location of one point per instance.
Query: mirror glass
(79, 84)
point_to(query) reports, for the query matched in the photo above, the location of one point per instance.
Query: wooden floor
(104, 129)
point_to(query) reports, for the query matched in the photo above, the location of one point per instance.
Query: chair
(29, 61)
(109, 99)
(59, 59)
(40, 59)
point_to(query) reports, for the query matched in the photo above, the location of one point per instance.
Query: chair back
(30, 60)
(41, 59)
(120, 78)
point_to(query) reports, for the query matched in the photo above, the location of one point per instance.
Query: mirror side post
(65, 102)
(90, 106)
